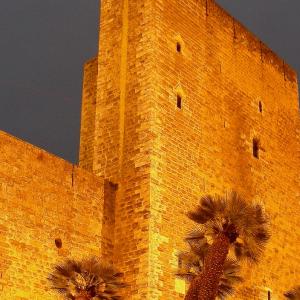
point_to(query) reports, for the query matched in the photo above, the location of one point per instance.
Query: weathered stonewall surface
(180, 101)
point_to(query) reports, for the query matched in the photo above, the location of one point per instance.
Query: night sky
(44, 43)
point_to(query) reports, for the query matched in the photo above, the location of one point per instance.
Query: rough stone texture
(164, 158)
(122, 131)
(108, 222)
(43, 198)
(88, 110)
(206, 147)
(156, 159)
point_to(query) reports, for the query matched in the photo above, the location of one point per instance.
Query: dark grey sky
(44, 44)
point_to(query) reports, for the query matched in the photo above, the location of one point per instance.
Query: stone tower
(182, 101)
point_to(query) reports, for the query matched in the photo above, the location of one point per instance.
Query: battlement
(245, 38)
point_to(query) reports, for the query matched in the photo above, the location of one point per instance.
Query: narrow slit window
(260, 107)
(178, 47)
(179, 101)
(256, 148)
(58, 243)
(269, 295)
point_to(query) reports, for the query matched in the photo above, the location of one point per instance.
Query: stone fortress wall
(50, 210)
(186, 98)
(180, 101)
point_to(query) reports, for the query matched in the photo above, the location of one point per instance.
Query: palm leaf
(234, 217)
(92, 276)
(294, 294)
(208, 209)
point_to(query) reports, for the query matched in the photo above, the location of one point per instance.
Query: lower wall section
(43, 198)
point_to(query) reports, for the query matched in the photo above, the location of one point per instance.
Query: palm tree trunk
(192, 293)
(205, 286)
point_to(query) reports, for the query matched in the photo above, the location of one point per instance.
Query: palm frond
(197, 241)
(293, 294)
(92, 276)
(224, 291)
(234, 217)
(207, 209)
(229, 279)
(191, 265)
(197, 235)
(231, 268)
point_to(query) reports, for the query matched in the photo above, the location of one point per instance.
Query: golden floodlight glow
(172, 106)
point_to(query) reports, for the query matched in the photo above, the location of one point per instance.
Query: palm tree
(230, 222)
(86, 279)
(293, 294)
(192, 262)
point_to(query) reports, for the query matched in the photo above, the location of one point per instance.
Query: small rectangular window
(256, 148)
(260, 107)
(178, 47)
(179, 101)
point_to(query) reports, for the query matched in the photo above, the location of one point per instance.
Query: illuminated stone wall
(123, 139)
(43, 199)
(183, 91)
(233, 89)
(88, 110)
(172, 106)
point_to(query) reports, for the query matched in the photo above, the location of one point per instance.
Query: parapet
(243, 36)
